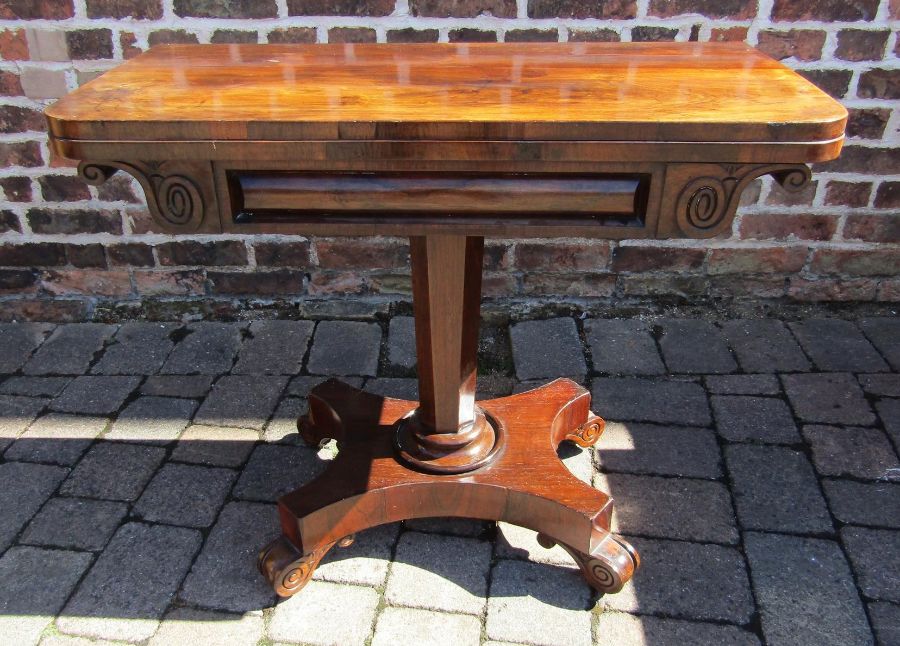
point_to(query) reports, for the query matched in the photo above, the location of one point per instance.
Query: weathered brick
(282, 254)
(728, 34)
(22, 153)
(226, 8)
(351, 35)
(86, 255)
(89, 44)
(594, 36)
(734, 9)
(855, 194)
(561, 256)
(36, 9)
(18, 281)
(653, 34)
(639, 258)
(888, 195)
(834, 82)
(825, 10)
(13, 45)
(582, 9)
(412, 35)
(323, 283)
(171, 36)
(821, 289)
(462, 8)
(136, 9)
(10, 84)
(130, 254)
(781, 197)
(88, 282)
(879, 84)
(168, 283)
(40, 83)
(788, 226)
(531, 36)
(63, 188)
(191, 252)
(279, 281)
(233, 36)
(873, 228)
(802, 44)
(9, 221)
(340, 7)
(861, 44)
(470, 35)
(44, 220)
(581, 285)
(765, 260)
(33, 254)
(863, 159)
(15, 118)
(858, 262)
(293, 35)
(361, 253)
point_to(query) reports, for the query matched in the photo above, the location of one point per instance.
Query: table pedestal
(445, 455)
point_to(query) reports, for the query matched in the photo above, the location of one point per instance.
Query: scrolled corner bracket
(793, 178)
(95, 174)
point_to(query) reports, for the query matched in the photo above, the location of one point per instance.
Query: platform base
(525, 483)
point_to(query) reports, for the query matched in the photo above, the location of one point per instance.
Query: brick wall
(66, 247)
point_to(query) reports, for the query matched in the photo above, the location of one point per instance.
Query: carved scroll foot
(608, 567)
(588, 433)
(286, 568)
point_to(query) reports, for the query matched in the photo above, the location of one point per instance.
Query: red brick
(879, 84)
(735, 9)
(462, 8)
(782, 226)
(637, 259)
(43, 220)
(90, 282)
(18, 281)
(33, 254)
(36, 9)
(497, 284)
(781, 197)
(593, 36)
(130, 254)
(13, 45)
(735, 285)
(784, 260)
(653, 34)
(351, 35)
(389, 282)
(562, 256)
(282, 254)
(854, 194)
(825, 10)
(324, 283)
(531, 36)
(170, 283)
(89, 44)
(863, 159)
(136, 9)
(191, 252)
(410, 35)
(86, 255)
(728, 34)
(361, 253)
(63, 188)
(751, 193)
(821, 289)
(889, 291)
(856, 262)
(664, 285)
(467, 35)
(262, 283)
(802, 44)
(226, 8)
(293, 35)
(21, 153)
(833, 82)
(582, 8)
(582, 285)
(10, 84)
(171, 36)
(118, 188)
(227, 36)
(14, 118)
(340, 7)
(16, 189)
(9, 222)
(894, 9)
(861, 44)
(496, 255)
(139, 220)
(873, 228)
(867, 123)
(888, 196)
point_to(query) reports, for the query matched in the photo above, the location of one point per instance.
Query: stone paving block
(471, 527)
(244, 401)
(75, 523)
(215, 445)
(646, 448)
(396, 387)
(300, 386)
(666, 508)
(90, 395)
(694, 347)
(188, 386)
(860, 503)
(664, 401)
(326, 614)
(805, 591)
(365, 562)
(445, 573)
(493, 386)
(69, 350)
(224, 576)
(185, 495)
(775, 489)
(130, 585)
(875, 555)
(282, 427)
(411, 627)
(55, 638)
(829, 397)
(113, 471)
(153, 420)
(620, 629)
(547, 349)
(688, 580)
(274, 470)
(345, 348)
(208, 349)
(16, 413)
(138, 348)
(743, 384)
(274, 348)
(18, 341)
(881, 385)
(885, 622)
(538, 604)
(762, 419)
(401, 346)
(514, 542)
(764, 346)
(577, 460)
(859, 452)
(889, 412)
(884, 333)
(837, 346)
(56, 438)
(23, 489)
(184, 626)
(34, 386)
(623, 347)
(35, 586)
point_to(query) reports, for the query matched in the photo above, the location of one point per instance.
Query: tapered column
(448, 433)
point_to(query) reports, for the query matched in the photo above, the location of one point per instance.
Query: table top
(642, 92)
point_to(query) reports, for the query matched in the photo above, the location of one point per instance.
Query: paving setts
(754, 464)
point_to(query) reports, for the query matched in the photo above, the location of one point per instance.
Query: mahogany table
(448, 144)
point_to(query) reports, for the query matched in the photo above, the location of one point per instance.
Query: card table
(448, 144)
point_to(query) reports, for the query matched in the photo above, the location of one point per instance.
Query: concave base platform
(524, 484)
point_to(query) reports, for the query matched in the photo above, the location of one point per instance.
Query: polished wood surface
(689, 92)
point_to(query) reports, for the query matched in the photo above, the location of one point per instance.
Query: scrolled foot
(310, 433)
(286, 568)
(588, 433)
(608, 567)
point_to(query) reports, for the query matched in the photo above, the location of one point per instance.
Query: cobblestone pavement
(754, 464)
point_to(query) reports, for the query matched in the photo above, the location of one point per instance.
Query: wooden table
(448, 144)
